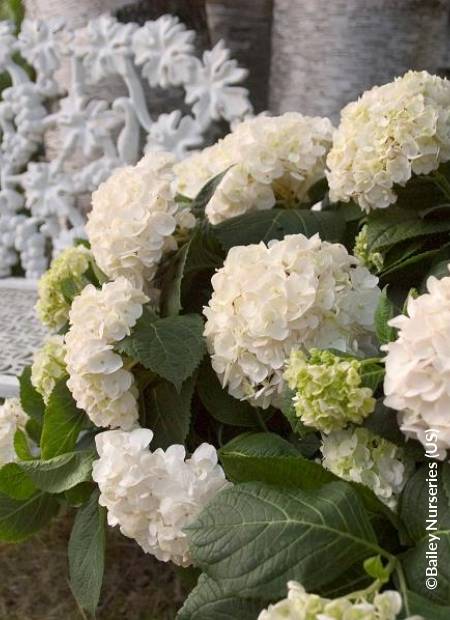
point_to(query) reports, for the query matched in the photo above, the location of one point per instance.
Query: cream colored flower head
(417, 380)
(270, 159)
(48, 366)
(152, 496)
(389, 134)
(52, 306)
(270, 300)
(12, 418)
(299, 605)
(97, 378)
(358, 455)
(134, 217)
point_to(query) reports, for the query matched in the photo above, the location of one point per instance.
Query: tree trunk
(325, 54)
(245, 26)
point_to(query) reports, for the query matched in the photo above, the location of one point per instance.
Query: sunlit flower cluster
(270, 300)
(97, 378)
(417, 381)
(361, 456)
(392, 132)
(269, 159)
(152, 496)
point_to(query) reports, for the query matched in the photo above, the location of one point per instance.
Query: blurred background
(310, 56)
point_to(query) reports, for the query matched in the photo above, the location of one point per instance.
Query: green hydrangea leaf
(172, 347)
(207, 601)
(87, 554)
(63, 422)
(253, 538)
(20, 519)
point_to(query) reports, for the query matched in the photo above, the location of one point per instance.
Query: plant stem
(403, 587)
(261, 421)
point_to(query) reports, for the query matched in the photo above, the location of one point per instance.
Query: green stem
(261, 421)
(403, 587)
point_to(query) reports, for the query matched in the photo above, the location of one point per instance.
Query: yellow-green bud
(372, 260)
(53, 307)
(328, 392)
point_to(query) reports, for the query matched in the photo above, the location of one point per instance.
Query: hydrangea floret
(154, 495)
(328, 392)
(358, 455)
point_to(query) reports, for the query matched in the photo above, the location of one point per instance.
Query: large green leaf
(32, 402)
(414, 502)
(60, 473)
(425, 510)
(416, 604)
(268, 458)
(15, 483)
(167, 412)
(386, 228)
(87, 553)
(277, 223)
(418, 560)
(172, 347)
(198, 258)
(220, 405)
(253, 538)
(207, 601)
(20, 519)
(63, 422)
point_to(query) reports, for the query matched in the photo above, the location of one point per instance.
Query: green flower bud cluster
(372, 260)
(328, 392)
(53, 306)
(48, 366)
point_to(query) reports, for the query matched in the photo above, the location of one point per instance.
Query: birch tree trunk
(245, 26)
(324, 54)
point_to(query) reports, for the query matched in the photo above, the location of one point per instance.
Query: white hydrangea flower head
(52, 306)
(12, 418)
(97, 378)
(392, 132)
(271, 158)
(133, 219)
(291, 294)
(48, 366)
(359, 455)
(153, 496)
(299, 605)
(417, 380)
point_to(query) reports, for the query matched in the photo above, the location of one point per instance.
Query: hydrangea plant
(233, 387)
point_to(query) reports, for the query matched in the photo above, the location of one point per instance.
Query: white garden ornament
(38, 198)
